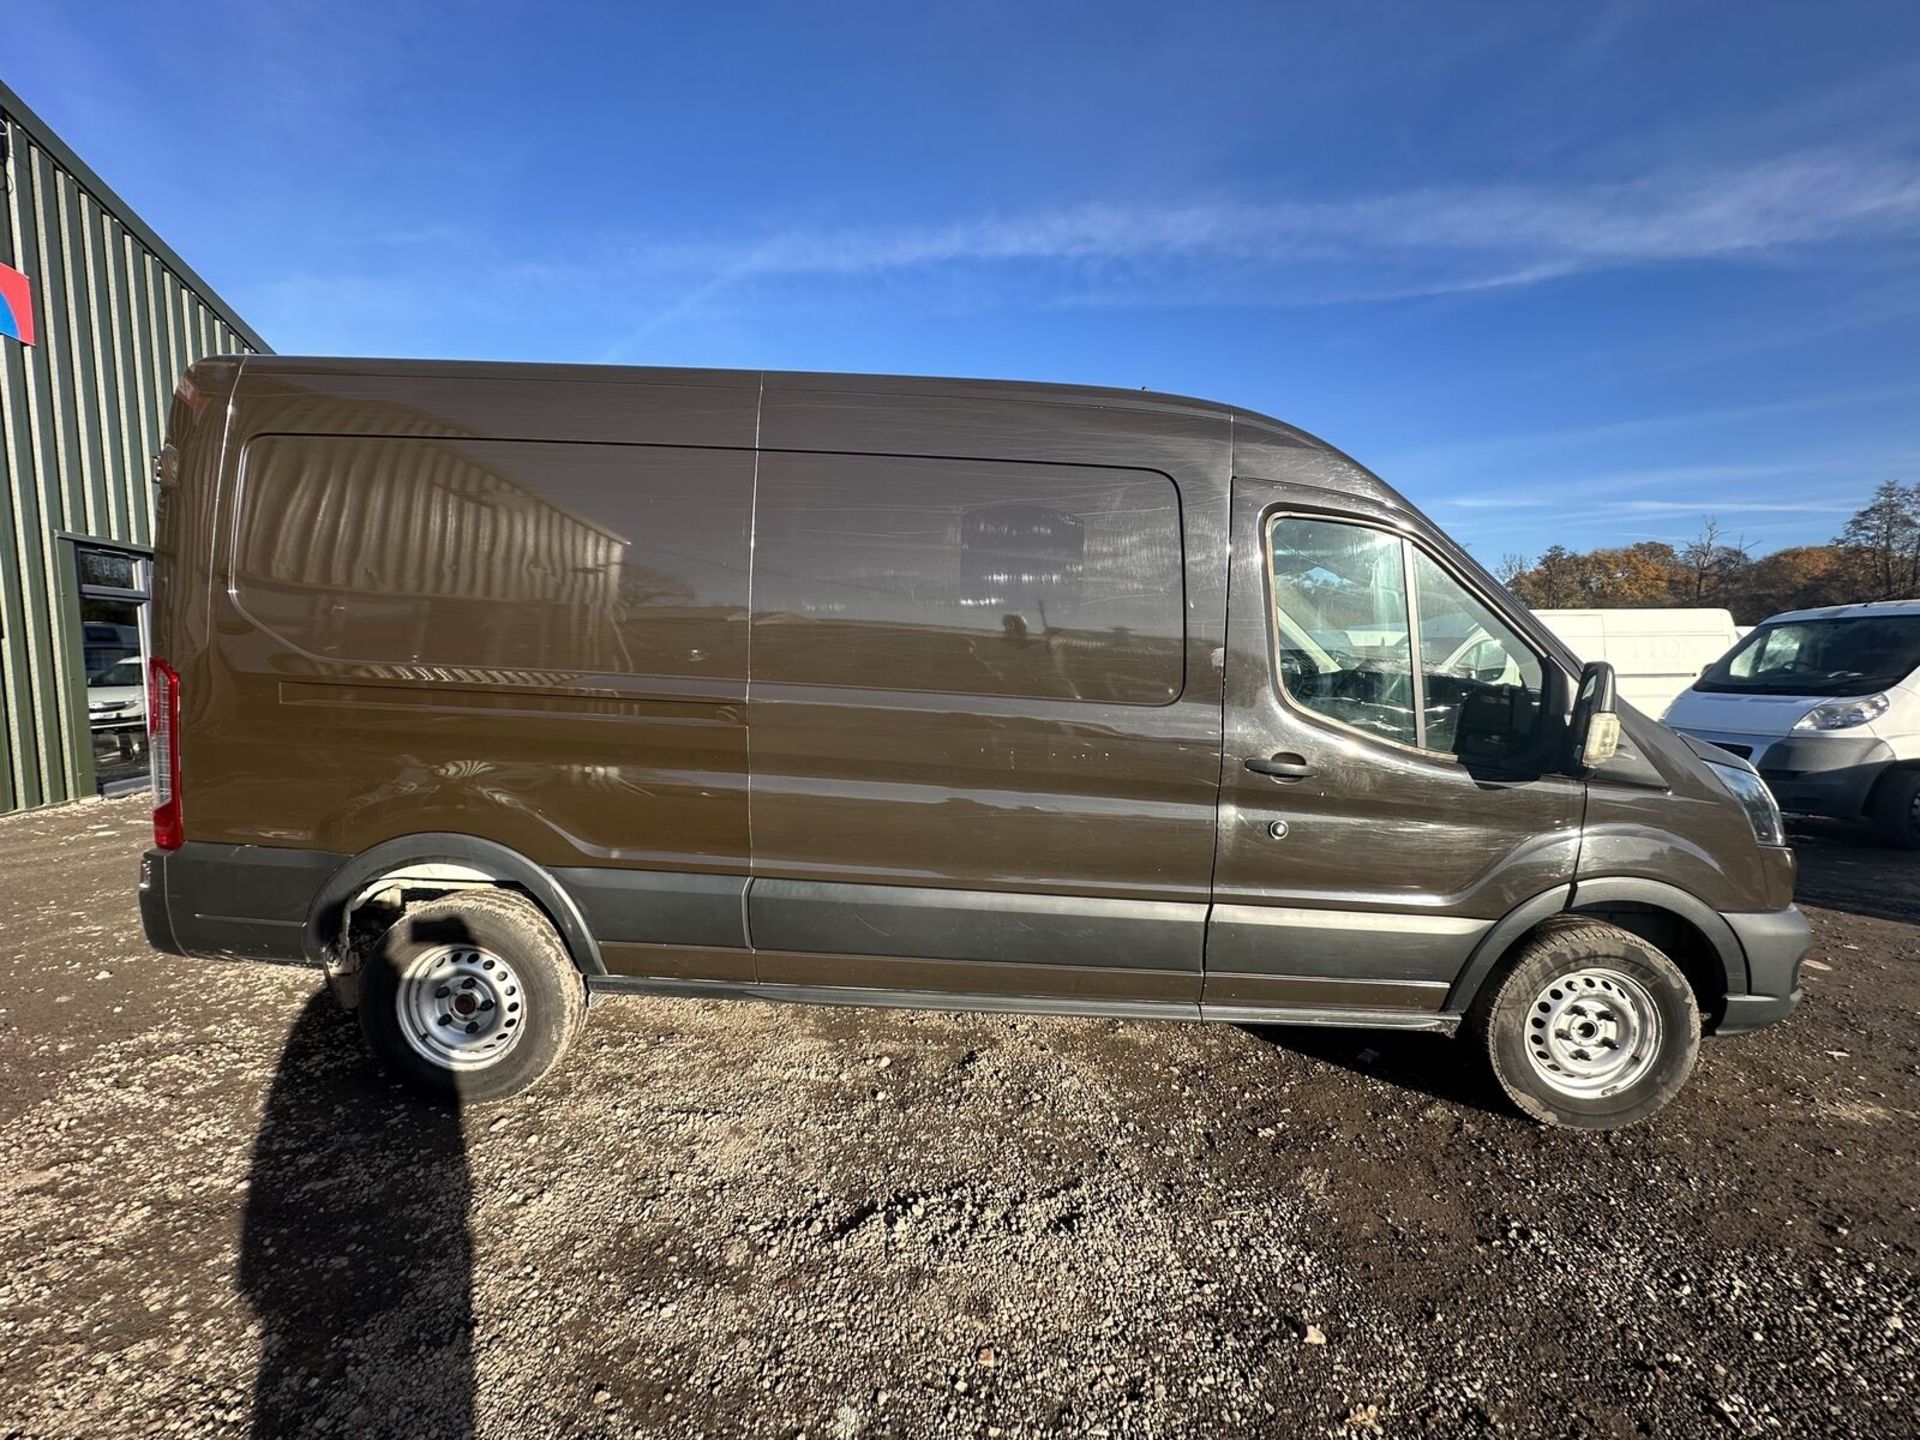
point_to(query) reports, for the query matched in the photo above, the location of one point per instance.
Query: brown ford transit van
(489, 688)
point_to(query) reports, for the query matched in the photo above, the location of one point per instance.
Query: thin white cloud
(1498, 501)
(1586, 488)
(1725, 505)
(1477, 453)
(1413, 242)
(1716, 505)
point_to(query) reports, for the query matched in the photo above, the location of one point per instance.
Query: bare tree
(1709, 564)
(1877, 557)
(1884, 536)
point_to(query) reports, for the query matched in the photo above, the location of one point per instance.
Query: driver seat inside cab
(488, 688)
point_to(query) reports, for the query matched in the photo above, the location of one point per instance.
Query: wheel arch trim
(1658, 895)
(1497, 941)
(1602, 890)
(496, 861)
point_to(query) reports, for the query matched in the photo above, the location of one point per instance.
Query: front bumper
(1829, 775)
(1775, 942)
(1824, 775)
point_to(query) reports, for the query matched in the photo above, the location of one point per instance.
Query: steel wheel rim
(461, 1007)
(1593, 1033)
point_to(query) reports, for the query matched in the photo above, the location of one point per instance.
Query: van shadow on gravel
(1425, 1061)
(355, 1253)
(1840, 868)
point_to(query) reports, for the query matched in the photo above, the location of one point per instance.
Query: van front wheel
(1896, 810)
(1587, 1026)
(471, 996)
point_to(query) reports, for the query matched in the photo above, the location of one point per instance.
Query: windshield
(126, 672)
(1852, 655)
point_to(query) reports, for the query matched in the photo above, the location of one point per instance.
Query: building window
(113, 624)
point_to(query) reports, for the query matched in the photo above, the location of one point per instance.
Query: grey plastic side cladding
(329, 906)
(1497, 941)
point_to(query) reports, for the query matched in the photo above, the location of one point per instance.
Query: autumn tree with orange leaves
(1875, 557)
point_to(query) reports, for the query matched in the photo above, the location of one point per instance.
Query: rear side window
(496, 554)
(968, 577)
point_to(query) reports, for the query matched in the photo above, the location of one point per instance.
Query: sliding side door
(975, 765)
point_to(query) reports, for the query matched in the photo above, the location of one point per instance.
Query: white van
(1655, 654)
(1826, 704)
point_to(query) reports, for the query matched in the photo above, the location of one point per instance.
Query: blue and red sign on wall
(16, 305)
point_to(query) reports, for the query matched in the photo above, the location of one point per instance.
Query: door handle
(1281, 767)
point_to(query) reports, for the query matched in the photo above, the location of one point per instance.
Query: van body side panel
(1187, 441)
(1684, 834)
(573, 403)
(186, 496)
(984, 679)
(440, 608)
(431, 629)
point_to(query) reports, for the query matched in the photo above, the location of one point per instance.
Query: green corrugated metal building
(117, 316)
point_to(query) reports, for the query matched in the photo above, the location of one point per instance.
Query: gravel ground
(735, 1219)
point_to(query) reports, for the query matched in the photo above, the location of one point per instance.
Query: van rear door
(1383, 800)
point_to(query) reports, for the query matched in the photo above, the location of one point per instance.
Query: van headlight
(1844, 714)
(1763, 811)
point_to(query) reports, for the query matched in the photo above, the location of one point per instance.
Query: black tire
(529, 997)
(1506, 1024)
(1896, 810)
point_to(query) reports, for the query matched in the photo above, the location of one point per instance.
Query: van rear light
(163, 732)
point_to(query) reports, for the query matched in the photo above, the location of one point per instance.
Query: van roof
(1103, 397)
(1839, 612)
(1650, 615)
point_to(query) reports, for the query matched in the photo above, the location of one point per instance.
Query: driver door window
(1340, 606)
(1372, 634)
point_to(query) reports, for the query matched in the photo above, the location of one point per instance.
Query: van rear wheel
(1587, 1026)
(471, 996)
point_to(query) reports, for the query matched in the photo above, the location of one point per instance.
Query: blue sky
(1574, 273)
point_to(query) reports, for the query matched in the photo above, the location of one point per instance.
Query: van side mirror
(1596, 717)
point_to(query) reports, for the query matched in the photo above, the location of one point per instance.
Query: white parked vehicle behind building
(1655, 654)
(1826, 705)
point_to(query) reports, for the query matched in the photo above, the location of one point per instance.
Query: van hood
(1727, 713)
(115, 701)
(1713, 754)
